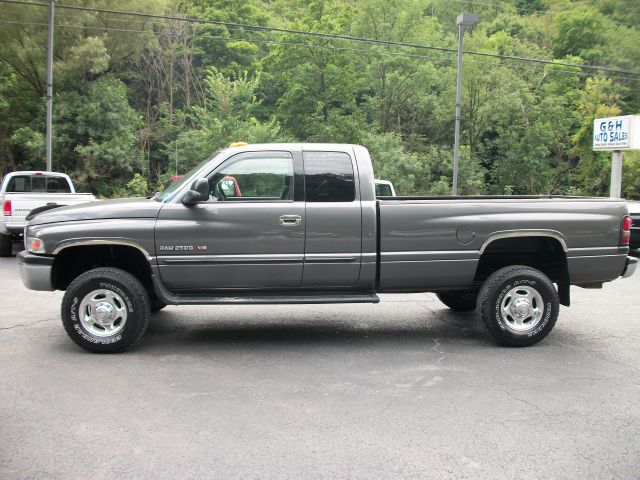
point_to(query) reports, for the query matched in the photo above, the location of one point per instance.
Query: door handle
(290, 220)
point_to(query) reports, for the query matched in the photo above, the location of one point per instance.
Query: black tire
(156, 305)
(131, 298)
(6, 245)
(459, 300)
(509, 285)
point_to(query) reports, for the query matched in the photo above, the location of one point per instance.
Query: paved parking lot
(403, 389)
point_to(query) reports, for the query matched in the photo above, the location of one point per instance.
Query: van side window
(328, 177)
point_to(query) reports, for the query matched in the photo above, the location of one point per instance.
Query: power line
(108, 29)
(89, 27)
(325, 47)
(327, 36)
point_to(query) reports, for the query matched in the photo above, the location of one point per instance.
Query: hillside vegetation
(138, 99)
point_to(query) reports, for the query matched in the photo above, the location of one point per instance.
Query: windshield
(167, 193)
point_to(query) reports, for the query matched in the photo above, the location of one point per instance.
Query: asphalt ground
(402, 389)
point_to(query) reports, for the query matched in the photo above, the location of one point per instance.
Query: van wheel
(519, 305)
(6, 245)
(459, 300)
(105, 310)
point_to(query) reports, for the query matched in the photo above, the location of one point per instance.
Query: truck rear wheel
(6, 245)
(105, 310)
(519, 305)
(459, 300)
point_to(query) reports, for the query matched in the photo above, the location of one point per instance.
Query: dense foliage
(140, 99)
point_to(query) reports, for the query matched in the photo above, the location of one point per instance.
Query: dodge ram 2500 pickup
(307, 228)
(23, 192)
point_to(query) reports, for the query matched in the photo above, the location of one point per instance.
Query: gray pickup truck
(300, 223)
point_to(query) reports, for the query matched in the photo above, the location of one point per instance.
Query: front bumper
(629, 267)
(35, 270)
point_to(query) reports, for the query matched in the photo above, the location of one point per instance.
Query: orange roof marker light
(238, 144)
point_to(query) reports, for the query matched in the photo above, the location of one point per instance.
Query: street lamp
(463, 20)
(52, 4)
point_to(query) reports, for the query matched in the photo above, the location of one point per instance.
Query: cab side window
(260, 176)
(328, 177)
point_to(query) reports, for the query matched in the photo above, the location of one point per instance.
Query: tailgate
(23, 203)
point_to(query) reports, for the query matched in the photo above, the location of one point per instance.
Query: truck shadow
(170, 334)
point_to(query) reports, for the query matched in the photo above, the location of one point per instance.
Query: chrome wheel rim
(103, 313)
(521, 309)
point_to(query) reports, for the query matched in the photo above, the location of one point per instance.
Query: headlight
(34, 245)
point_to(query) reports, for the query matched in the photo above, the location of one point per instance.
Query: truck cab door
(249, 235)
(333, 219)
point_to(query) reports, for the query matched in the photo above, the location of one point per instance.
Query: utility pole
(49, 83)
(464, 19)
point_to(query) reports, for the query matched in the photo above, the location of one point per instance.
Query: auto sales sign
(617, 133)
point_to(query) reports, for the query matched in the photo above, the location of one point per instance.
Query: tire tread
(130, 282)
(485, 305)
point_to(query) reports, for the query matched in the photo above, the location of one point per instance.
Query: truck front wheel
(519, 305)
(5, 245)
(105, 310)
(459, 300)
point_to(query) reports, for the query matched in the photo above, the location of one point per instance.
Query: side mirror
(199, 192)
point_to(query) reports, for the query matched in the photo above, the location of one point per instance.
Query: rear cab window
(328, 177)
(38, 184)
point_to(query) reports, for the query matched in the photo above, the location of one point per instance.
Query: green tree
(316, 81)
(403, 89)
(139, 95)
(138, 186)
(24, 41)
(96, 136)
(227, 115)
(28, 147)
(597, 100)
(427, 173)
(224, 47)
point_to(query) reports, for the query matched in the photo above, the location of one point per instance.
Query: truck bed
(490, 197)
(437, 242)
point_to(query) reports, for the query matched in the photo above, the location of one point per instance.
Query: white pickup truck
(22, 192)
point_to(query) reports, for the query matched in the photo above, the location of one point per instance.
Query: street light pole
(49, 84)
(456, 145)
(464, 19)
